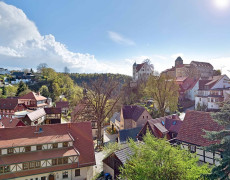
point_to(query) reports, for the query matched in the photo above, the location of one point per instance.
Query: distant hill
(80, 78)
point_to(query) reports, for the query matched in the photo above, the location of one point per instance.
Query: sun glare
(222, 4)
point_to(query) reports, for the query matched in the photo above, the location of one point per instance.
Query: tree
(217, 72)
(223, 143)
(44, 91)
(103, 95)
(164, 92)
(4, 90)
(11, 90)
(21, 87)
(157, 159)
(41, 66)
(66, 70)
(32, 71)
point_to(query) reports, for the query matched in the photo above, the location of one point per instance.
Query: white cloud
(21, 45)
(118, 38)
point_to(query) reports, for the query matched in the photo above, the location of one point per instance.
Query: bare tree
(103, 94)
(41, 66)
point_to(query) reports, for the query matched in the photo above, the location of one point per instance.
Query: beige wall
(108, 169)
(86, 173)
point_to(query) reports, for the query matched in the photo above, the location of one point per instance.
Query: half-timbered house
(190, 135)
(48, 152)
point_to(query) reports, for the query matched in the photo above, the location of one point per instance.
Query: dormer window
(32, 165)
(55, 145)
(10, 150)
(54, 162)
(65, 144)
(39, 147)
(27, 149)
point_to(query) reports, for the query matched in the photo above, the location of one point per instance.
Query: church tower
(178, 61)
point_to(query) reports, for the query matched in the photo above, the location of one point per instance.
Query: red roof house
(47, 151)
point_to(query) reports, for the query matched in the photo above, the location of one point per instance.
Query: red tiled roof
(62, 104)
(10, 122)
(132, 112)
(80, 132)
(210, 82)
(194, 123)
(33, 95)
(139, 66)
(8, 103)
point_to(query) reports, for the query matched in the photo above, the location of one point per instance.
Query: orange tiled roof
(33, 95)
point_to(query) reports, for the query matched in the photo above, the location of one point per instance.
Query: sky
(109, 36)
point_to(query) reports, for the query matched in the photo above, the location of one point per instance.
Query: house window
(39, 147)
(60, 160)
(143, 117)
(147, 117)
(1, 169)
(27, 149)
(55, 145)
(37, 164)
(6, 169)
(32, 165)
(77, 172)
(192, 148)
(43, 178)
(65, 160)
(10, 150)
(65, 174)
(65, 144)
(54, 162)
(25, 166)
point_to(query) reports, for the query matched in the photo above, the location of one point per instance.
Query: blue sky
(117, 32)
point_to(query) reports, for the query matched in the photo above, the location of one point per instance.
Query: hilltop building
(141, 72)
(194, 69)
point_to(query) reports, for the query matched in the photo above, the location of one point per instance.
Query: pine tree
(4, 90)
(21, 87)
(223, 137)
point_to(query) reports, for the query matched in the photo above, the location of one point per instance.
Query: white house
(212, 92)
(142, 71)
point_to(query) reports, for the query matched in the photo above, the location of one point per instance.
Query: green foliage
(21, 88)
(11, 91)
(111, 147)
(164, 92)
(157, 159)
(223, 137)
(44, 91)
(88, 78)
(202, 107)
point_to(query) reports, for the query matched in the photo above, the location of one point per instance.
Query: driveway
(109, 137)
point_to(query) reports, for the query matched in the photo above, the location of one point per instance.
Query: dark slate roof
(53, 110)
(126, 134)
(179, 58)
(62, 104)
(18, 74)
(123, 154)
(132, 112)
(194, 123)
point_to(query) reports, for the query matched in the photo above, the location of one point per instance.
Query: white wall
(224, 82)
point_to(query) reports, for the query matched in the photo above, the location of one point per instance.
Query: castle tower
(178, 61)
